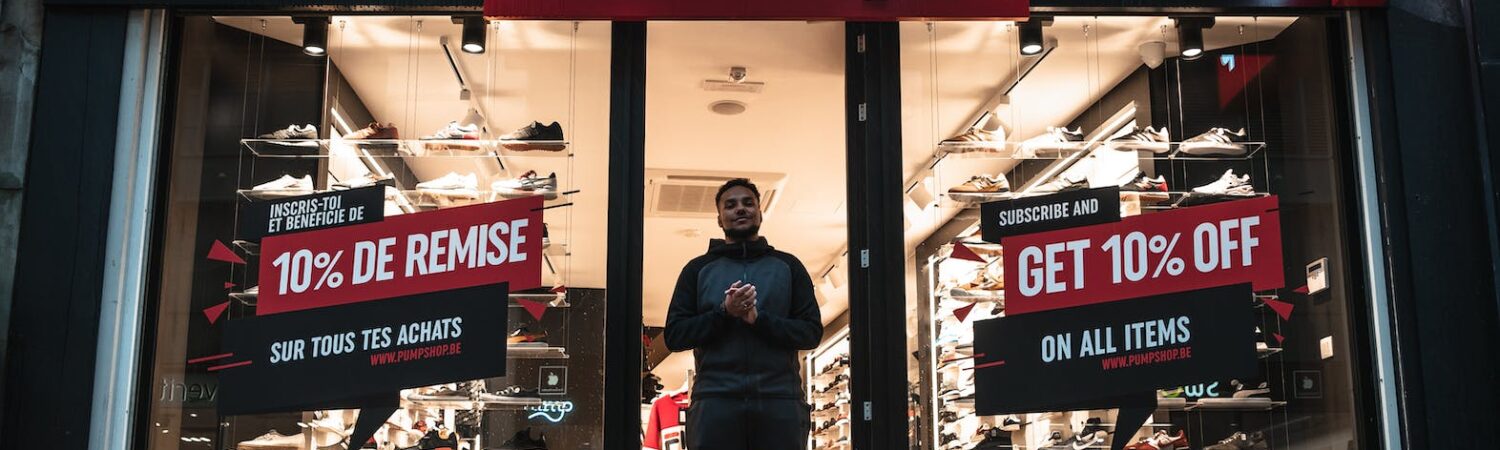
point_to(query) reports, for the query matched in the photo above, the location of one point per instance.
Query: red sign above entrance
(857, 10)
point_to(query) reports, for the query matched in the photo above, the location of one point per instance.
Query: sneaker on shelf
(1056, 142)
(363, 181)
(1242, 391)
(514, 393)
(442, 394)
(1215, 142)
(273, 440)
(1163, 441)
(1058, 185)
(1144, 183)
(452, 185)
(975, 139)
(1092, 426)
(526, 185)
(305, 134)
(1082, 441)
(535, 137)
(979, 187)
(522, 440)
(526, 336)
(1011, 423)
(1236, 441)
(286, 186)
(1228, 184)
(454, 131)
(1150, 139)
(375, 130)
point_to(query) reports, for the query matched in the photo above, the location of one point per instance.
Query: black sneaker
(518, 392)
(523, 441)
(535, 137)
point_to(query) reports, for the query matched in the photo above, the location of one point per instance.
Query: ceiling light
(727, 107)
(1031, 36)
(473, 37)
(1190, 35)
(314, 35)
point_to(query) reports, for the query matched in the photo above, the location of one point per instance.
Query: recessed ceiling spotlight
(727, 107)
(314, 35)
(1190, 35)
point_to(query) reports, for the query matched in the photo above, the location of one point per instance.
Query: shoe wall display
(827, 375)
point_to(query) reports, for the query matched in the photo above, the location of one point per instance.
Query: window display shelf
(452, 148)
(1008, 150)
(421, 198)
(530, 352)
(1153, 200)
(1264, 353)
(1234, 404)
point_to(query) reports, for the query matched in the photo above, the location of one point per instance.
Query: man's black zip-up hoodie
(735, 359)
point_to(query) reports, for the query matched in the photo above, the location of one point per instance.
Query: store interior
(399, 101)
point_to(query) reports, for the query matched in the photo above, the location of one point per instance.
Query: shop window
(1116, 109)
(435, 116)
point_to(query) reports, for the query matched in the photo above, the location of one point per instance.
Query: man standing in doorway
(745, 309)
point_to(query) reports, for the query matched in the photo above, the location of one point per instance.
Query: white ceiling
(795, 126)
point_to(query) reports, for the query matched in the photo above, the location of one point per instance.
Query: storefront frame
(874, 178)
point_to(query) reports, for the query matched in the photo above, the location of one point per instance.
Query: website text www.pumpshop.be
(415, 354)
(1145, 358)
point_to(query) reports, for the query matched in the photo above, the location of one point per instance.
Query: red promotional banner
(404, 255)
(1173, 251)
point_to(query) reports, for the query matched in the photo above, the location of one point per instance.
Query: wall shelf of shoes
(828, 393)
(1153, 170)
(1147, 164)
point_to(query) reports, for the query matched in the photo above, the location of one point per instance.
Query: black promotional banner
(1049, 360)
(330, 356)
(1026, 215)
(312, 212)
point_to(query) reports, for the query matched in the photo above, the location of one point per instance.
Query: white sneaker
(455, 131)
(1152, 139)
(273, 440)
(287, 183)
(1228, 184)
(1216, 141)
(528, 184)
(1052, 144)
(452, 185)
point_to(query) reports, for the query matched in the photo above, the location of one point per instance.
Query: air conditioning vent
(690, 193)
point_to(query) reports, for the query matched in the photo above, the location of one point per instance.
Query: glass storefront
(1113, 104)
(402, 103)
(1158, 117)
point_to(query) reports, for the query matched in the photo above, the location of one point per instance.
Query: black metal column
(1438, 230)
(60, 266)
(627, 182)
(876, 251)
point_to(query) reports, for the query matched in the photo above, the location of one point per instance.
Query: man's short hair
(741, 182)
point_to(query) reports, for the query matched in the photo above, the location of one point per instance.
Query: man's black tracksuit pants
(727, 423)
